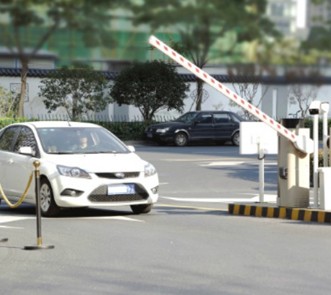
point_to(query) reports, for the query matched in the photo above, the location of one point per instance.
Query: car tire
(236, 139)
(139, 209)
(181, 139)
(48, 206)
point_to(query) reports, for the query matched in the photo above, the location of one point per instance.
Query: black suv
(218, 126)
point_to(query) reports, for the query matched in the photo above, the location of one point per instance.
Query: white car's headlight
(162, 130)
(72, 172)
(149, 170)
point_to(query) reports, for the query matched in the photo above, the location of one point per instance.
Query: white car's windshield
(73, 140)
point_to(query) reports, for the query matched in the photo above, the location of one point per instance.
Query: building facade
(292, 17)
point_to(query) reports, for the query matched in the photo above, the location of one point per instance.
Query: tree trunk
(74, 115)
(24, 73)
(199, 95)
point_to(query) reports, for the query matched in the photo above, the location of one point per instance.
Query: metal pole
(315, 164)
(36, 165)
(261, 171)
(325, 138)
(325, 109)
(38, 212)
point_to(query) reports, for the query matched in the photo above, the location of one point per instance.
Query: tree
(150, 87)
(301, 70)
(249, 88)
(318, 39)
(200, 23)
(78, 90)
(8, 103)
(50, 16)
(302, 94)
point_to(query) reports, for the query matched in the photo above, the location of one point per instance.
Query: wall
(275, 103)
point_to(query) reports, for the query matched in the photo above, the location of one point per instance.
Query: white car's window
(26, 138)
(73, 140)
(7, 138)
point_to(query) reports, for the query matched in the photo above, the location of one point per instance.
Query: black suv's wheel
(138, 209)
(236, 139)
(48, 206)
(181, 139)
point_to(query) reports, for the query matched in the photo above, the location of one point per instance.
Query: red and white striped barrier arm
(302, 143)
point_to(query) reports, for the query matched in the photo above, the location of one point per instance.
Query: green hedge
(124, 130)
(134, 130)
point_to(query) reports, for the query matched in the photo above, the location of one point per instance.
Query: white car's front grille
(118, 175)
(100, 195)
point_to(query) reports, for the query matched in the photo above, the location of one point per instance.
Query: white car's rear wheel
(48, 206)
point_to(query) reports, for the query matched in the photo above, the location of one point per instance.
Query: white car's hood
(101, 162)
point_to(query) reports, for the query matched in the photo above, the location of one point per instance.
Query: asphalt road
(188, 244)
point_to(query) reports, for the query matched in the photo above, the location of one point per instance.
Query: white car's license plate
(124, 189)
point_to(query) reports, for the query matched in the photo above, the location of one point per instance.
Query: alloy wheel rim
(45, 197)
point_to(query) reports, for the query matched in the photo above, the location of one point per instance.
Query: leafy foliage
(150, 86)
(202, 23)
(78, 90)
(49, 16)
(8, 103)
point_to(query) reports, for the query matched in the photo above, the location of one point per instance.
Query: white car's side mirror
(131, 148)
(26, 150)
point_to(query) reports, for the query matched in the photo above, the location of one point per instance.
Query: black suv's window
(222, 118)
(236, 118)
(7, 138)
(205, 119)
(187, 118)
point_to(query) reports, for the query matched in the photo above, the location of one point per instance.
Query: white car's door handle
(10, 161)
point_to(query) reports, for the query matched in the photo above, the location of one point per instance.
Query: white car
(81, 165)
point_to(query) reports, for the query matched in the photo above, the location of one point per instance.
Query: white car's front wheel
(48, 206)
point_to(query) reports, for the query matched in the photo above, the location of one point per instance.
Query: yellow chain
(22, 198)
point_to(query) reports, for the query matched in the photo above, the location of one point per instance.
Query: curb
(308, 215)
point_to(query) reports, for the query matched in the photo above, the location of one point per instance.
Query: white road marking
(267, 198)
(8, 218)
(108, 217)
(191, 160)
(223, 163)
(11, 227)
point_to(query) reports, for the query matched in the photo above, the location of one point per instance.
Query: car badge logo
(119, 175)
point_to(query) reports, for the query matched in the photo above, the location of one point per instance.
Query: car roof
(45, 124)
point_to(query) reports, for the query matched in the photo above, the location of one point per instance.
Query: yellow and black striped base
(259, 210)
